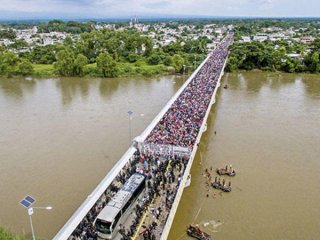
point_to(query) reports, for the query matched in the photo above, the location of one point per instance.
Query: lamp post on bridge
(130, 113)
(27, 202)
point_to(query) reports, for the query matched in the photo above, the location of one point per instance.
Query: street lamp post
(130, 113)
(30, 212)
(27, 202)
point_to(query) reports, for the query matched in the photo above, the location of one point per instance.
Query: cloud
(156, 4)
(114, 8)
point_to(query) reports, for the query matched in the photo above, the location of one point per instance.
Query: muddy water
(60, 137)
(268, 127)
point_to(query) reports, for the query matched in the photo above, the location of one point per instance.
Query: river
(268, 127)
(59, 138)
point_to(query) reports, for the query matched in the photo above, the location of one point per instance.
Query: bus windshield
(103, 227)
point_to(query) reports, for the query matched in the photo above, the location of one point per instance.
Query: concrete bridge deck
(102, 189)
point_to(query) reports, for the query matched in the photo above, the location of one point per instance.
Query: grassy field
(7, 235)
(124, 70)
(43, 70)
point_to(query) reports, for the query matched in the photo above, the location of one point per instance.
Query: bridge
(164, 153)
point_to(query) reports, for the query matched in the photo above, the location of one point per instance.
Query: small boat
(217, 184)
(226, 188)
(225, 171)
(195, 232)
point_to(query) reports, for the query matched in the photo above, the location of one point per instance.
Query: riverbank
(7, 235)
(256, 70)
(123, 69)
(135, 70)
(81, 123)
(274, 56)
(254, 128)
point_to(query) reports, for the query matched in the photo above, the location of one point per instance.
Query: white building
(245, 39)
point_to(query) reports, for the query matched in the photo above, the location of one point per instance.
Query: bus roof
(133, 182)
(108, 213)
(113, 207)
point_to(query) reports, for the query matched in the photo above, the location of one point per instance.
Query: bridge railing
(173, 210)
(155, 121)
(66, 231)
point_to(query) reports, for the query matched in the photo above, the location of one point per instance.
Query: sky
(72, 9)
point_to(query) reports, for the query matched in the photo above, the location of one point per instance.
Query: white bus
(115, 212)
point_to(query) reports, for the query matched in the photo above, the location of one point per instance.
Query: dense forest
(274, 56)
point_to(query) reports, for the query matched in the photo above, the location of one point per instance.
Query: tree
(154, 59)
(25, 67)
(79, 63)
(65, 63)
(316, 45)
(43, 55)
(2, 49)
(133, 57)
(106, 65)
(173, 48)
(149, 46)
(277, 57)
(232, 64)
(312, 62)
(177, 63)
(289, 66)
(68, 42)
(10, 34)
(18, 44)
(8, 63)
(167, 60)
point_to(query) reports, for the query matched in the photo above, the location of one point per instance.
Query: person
(179, 126)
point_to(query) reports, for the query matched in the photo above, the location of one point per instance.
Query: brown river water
(268, 127)
(59, 138)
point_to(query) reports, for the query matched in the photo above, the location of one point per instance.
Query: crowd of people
(163, 174)
(86, 230)
(178, 127)
(181, 123)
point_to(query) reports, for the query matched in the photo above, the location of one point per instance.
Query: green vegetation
(11, 64)
(62, 26)
(288, 55)
(110, 53)
(6, 235)
(274, 56)
(106, 65)
(9, 34)
(178, 62)
(43, 70)
(306, 26)
(68, 64)
(125, 69)
(106, 53)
